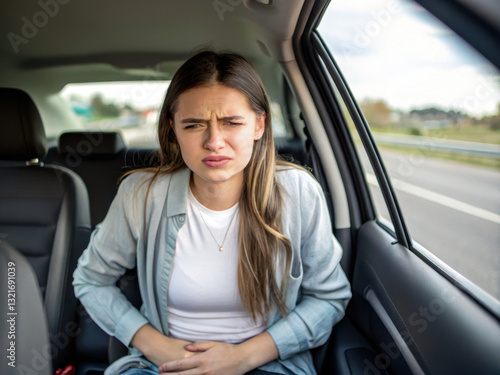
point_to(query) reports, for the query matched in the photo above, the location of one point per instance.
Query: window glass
(279, 128)
(432, 103)
(128, 107)
(376, 193)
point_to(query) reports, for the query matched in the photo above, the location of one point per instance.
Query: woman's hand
(224, 359)
(159, 348)
(211, 358)
(168, 349)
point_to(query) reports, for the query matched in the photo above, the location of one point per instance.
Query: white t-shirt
(203, 298)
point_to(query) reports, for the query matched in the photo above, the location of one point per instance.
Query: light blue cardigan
(318, 290)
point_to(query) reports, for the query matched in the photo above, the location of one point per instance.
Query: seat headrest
(87, 143)
(22, 136)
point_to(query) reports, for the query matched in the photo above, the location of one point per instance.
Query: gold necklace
(221, 246)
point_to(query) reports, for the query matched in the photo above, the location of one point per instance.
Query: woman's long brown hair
(262, 245)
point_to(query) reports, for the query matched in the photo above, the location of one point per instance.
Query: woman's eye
(192, 126)
(234, 123)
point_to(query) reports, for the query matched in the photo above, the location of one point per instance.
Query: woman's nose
(215, 138)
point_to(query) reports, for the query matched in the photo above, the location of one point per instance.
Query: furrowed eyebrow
(229, 118)
(193, 120)
(203, 121)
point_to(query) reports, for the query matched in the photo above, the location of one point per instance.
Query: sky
(394, 50)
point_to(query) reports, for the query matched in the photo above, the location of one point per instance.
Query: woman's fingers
(179, 366)
(187, 363)
(208, 358)
(199, 346)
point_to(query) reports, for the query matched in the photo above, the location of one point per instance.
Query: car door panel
(412, 318)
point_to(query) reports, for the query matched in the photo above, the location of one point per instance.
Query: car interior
(410, 312)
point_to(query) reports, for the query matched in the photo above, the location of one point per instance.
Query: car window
(131, 108)
(128, 107)
(432, 103)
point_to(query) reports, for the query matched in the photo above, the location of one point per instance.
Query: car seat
(44, 214)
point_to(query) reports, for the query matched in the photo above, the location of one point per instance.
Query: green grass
(460, 158)
(471, 134)
(475, 133)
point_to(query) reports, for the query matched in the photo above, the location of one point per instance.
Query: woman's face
(216, 130)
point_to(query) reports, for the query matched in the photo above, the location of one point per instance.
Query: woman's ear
(260, 126)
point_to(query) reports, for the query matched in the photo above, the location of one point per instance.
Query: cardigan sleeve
(111, 251)
(317, 284)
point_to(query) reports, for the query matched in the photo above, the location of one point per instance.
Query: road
(452, 209)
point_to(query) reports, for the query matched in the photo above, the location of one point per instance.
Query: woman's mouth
(216, 161)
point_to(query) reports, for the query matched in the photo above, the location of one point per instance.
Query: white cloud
(477, 94)
(409, 59)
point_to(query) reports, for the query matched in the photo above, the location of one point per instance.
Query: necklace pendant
(220, 248)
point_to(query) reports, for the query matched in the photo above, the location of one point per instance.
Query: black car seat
(23, 327)
(100, 158)
(44, 214)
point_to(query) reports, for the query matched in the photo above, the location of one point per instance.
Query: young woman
(237, 265)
